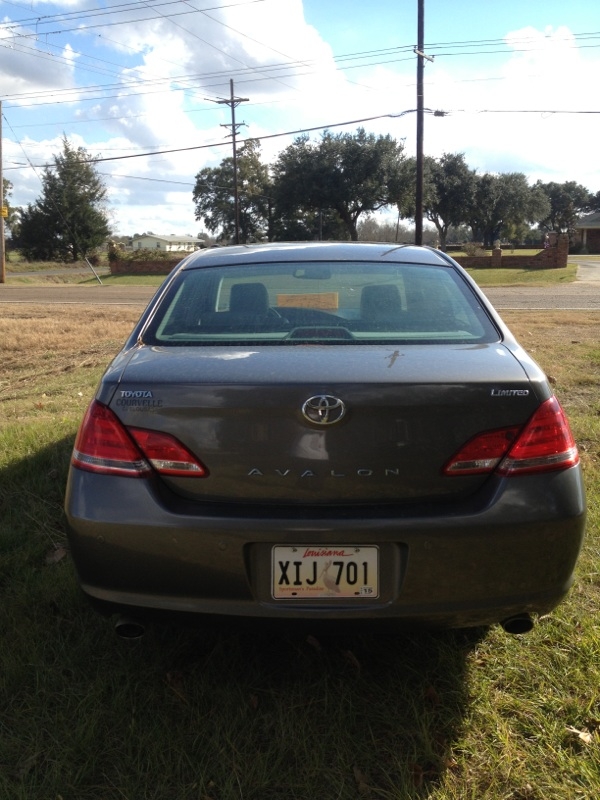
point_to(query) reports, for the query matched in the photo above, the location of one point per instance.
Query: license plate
(307, 572)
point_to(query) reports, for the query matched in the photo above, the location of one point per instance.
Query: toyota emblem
(323, 409)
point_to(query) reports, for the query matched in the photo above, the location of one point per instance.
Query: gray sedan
(325, 431)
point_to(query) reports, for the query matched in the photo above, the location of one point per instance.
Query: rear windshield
(336, 303)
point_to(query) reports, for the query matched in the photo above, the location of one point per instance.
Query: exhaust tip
(127, 628)
(520, 623)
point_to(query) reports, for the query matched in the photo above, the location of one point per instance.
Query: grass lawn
(524, 277)
(288, 715)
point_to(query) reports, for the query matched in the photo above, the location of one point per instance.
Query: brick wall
(552, 257)
(159, 267)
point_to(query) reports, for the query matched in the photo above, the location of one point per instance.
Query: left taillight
(167, 455)
(104, 445)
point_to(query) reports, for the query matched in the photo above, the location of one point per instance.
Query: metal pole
(2, 242)
(420, 123)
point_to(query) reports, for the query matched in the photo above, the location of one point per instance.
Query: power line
(99, 159)
(291, 65)
(77, 16)
(531, 111)
(299, 131)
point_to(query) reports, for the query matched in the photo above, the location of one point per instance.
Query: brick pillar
(562, 250)
(496, 258)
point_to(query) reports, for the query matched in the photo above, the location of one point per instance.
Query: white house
(174, 243)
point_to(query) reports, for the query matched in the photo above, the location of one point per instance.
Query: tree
(69, 220)
(214, 195)
(448, 190)
(370, 230)
(12, 219)
(306, 225)
(567, 202)
(504, 200)
(522, 233)
(345, 175)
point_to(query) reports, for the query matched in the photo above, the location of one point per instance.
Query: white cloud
(165, 75)
(541, 74)
(27, 68)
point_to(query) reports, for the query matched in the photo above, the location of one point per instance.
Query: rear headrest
(381, 301)
(249, 298)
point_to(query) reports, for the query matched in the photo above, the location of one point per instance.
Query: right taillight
(544, 443)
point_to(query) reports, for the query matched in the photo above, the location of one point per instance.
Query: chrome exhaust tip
(128, 628)
(520, 623)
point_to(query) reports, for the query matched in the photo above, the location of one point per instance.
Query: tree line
(325, 188)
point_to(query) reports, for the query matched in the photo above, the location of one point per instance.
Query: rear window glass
(337, 303)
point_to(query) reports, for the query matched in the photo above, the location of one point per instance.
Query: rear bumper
(512, 551)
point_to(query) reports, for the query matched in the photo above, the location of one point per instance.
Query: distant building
(168, 244)
(588, 229)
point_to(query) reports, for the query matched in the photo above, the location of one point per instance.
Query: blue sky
(127, 78)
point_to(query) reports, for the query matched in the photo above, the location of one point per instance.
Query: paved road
(65, 294)
(588, 269)
(583, 294)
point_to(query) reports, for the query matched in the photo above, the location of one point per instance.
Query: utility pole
(2, 249)
(420, 122)
(233, 102)
(419, 50)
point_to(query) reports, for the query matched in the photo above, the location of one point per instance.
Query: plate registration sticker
(308, 572)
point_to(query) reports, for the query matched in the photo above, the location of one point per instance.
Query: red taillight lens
(104, 445)
(482, 453)
(544, 443)
(167, 455)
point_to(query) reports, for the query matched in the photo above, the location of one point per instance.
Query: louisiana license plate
(308, 572)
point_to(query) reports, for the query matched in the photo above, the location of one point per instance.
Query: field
(288, 715)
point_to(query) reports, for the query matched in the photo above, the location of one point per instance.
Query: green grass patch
(127, 280)
(278, 715)
(524, 277)
(81, 278)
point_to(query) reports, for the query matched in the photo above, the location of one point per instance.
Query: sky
(140, 86)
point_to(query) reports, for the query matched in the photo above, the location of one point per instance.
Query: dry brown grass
(30, 332)
(52, 355)
(42, 345)
(566, 344)
(550, 337)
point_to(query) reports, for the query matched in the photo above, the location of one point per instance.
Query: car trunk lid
(249, 415)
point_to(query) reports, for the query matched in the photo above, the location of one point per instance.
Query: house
(588, 229)
(167, 244)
